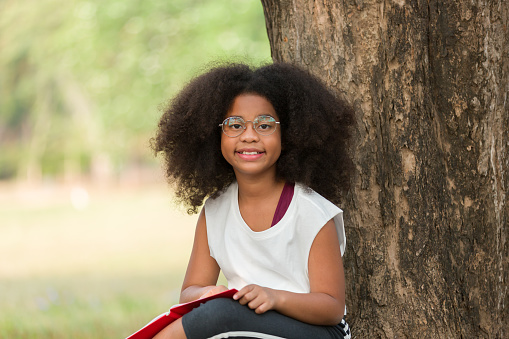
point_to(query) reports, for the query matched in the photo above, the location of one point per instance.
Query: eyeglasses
(235, 126)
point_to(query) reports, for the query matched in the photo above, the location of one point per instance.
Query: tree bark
(427, 250)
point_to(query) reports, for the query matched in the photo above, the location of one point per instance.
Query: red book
(177, 311)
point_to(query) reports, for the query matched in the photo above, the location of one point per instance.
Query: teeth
(249, 153)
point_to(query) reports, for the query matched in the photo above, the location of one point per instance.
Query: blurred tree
(81, 80)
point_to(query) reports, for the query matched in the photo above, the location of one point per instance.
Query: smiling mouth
(250, 153)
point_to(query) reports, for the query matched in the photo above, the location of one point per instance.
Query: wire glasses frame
(235, 126)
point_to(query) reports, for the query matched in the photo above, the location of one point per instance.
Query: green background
(81, 81)
(91, 245)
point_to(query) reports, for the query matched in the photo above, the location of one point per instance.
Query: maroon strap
(284, 201)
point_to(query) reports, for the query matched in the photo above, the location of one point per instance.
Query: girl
(267, 148)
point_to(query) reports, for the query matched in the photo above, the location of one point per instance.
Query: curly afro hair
(315, 128)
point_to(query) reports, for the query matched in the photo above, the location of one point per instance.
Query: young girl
(266, 148)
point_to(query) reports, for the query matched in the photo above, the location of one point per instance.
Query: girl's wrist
(279, 299)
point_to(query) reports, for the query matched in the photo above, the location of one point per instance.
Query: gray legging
(227, 318)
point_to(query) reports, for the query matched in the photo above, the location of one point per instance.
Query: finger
(263, 307)
(242, 293)
(241, 298)
(254, 292)
(239, 295)
(255, 303)
(246, 299)
(261, 303)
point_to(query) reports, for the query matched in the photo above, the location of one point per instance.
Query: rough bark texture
(427, 216)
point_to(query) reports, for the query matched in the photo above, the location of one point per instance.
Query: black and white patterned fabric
(345, 329)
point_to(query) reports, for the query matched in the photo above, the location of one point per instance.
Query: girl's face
(252, 153)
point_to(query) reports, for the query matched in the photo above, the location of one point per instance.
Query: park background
(91, 244)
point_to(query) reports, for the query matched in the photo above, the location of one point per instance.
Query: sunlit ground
(88, 261)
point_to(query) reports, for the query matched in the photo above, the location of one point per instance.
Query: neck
(258, 188)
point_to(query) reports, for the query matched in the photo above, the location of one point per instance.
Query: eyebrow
(261, 115)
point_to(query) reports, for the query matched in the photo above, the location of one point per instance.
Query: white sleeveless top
(277, 257)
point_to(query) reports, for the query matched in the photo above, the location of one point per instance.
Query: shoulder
(307, 197)
(223, 196)
(315, 211)
(219, 207)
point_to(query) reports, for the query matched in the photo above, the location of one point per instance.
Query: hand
(212, 290)
(260, 299)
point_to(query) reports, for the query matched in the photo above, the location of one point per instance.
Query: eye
(265, 123)
(235, 123)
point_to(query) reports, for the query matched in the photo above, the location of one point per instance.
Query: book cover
(175, 312)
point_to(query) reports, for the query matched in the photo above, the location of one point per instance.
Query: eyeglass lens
(264, 125)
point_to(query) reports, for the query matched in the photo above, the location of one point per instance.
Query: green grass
(102, 271)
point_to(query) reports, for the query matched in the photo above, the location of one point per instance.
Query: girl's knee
(215, 316)
(221, 309)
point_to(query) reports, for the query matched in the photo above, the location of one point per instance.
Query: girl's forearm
(312, 308)
(194, 292)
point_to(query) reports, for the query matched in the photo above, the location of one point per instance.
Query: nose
(249, 133)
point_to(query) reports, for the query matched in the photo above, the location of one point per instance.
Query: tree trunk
(426, 218)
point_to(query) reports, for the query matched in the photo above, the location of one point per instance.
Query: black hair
(315, 128)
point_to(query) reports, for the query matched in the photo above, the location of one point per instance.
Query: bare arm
(202, 271)
(325, 304)
(200, 280)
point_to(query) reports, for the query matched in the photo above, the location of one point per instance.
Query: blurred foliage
(81, 81)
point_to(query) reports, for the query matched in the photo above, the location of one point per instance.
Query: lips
(249, 151)
(249, 154)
